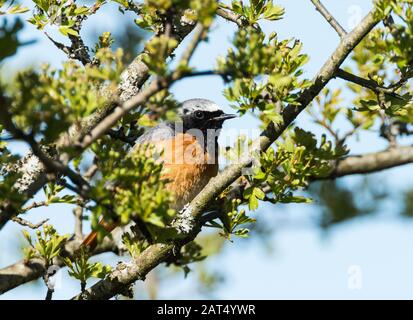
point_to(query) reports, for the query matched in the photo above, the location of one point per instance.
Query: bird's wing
(163, 131)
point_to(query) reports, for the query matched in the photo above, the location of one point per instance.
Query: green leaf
(66, 30)
(18, 9)
(237, 7)
(273, 12)
(142, 23)
(253, 203)
(81, 10)
(243, 233)
(258, 193)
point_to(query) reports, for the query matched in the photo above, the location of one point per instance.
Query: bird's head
(202, 114)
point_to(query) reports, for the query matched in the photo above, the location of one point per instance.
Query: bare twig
(50, 163)
(58, 45)
(91, 171)
(33, 205)
(108, 122)
(78, 50)
(231, 16)
(328, 128)
(367, 83)
(78, 213)
(329, 17)
(26, 223)
(49, 284)
(199, 34)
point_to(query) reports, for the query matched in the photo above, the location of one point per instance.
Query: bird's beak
(225, 116)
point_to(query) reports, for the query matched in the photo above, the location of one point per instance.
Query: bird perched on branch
(190, 152)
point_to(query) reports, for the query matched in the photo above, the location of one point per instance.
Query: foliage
(81, 269)
(257, 10)
(46, 103)
(264, 73)
(11, 8)
(66, 15)
(234, 220)
(47, 245)
(51, 190)
(191, 252)
(385, 55)
(297, 160)
(130, 186)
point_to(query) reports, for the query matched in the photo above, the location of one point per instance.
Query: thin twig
(367, 83)
(329, 17)
(231, 16)
(78, 213)
(58, 45)
(26, 223)
(199, 33)
(51, 164)
(49, 285)
(328, 128)
(33, 205)
(90, 172)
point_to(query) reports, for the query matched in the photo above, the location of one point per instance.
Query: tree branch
(232, 17)
(25, 271)
(26, 223)
(127, 273)
(372, 162)
(367, 83)
(330, 19)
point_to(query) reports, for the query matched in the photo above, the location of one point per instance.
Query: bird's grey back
(160, 132)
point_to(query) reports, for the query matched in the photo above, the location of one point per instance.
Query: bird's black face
(205, 119)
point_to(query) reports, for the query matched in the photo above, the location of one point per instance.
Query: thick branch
(126, 274)
(330, 19)
(25, 271)
(373, 162)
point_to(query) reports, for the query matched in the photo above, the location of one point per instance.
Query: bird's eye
(199, 114)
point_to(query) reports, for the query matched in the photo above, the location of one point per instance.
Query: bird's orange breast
(187, 166)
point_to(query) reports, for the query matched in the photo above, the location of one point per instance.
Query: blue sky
(303, 262)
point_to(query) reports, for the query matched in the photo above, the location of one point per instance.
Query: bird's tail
(91, 239)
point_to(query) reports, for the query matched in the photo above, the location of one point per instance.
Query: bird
(190, 152)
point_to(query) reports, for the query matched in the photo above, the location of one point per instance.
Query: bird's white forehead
(191, 105)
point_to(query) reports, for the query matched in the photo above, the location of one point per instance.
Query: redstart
(190, 152)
